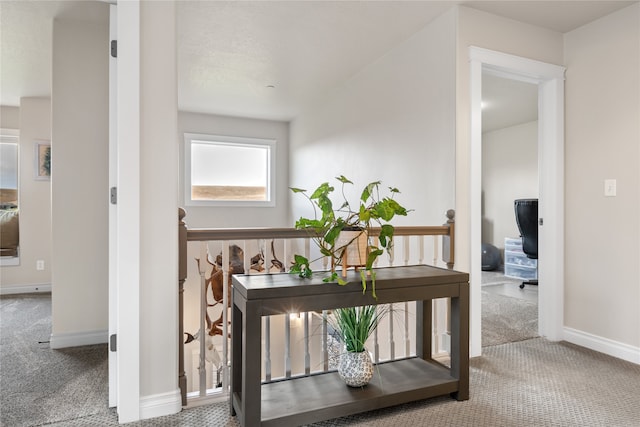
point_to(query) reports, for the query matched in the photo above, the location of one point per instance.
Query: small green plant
(371, 210)
(354, 325)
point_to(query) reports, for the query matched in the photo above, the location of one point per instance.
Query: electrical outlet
(40, 264)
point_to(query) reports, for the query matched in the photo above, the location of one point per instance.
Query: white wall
(35, 200)
(509, 172)
(602, 141)
(221, 217)
(393, 121)
(80, 181)
(9, 117)
(158, 210)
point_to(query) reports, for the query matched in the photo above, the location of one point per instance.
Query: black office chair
(527, 219)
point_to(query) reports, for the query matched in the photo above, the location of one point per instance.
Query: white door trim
(128, 212)
(113, 223)
(550, 81)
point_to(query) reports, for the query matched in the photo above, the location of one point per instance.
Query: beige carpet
(532, 383)
(527, 383)
(506, 319)
(39, 385)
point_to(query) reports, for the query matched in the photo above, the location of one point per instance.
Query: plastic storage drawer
(519, 258)
(513, 245)
(520, 272)
(516, 263)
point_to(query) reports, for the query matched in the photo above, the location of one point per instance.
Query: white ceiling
(507, 102)
(231, 52)
(26, 40)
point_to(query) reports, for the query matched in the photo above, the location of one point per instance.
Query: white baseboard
(603, 345)
(159, 405)
(25, 289)
(76, 339)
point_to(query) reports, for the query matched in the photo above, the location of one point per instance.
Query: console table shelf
(324, 396)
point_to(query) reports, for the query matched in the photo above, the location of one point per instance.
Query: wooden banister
(186, 235)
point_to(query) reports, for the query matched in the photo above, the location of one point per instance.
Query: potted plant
(329, 226)
(354, 325)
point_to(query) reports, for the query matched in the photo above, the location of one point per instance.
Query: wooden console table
(324, 396)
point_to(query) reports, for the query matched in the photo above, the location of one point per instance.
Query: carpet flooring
(532, 382)
(506, 319)
(39, 385)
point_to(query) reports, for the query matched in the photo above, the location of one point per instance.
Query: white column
(159, 392)
(147, 211)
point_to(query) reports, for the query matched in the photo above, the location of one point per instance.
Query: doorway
(549, 79)
(509, 172)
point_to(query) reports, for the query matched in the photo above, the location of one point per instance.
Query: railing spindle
(325, 348)
(307, 248)
(407, 249)
(307, 355)
(267, 349)
(225, 314)
(204, 253)
(407, 257)
(246, 258)
(287, 345)
(376, 345)
(268, 257)
(392, 343)
(285, 254)
(407, 340)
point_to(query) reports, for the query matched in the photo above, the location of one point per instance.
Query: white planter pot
(356, 369)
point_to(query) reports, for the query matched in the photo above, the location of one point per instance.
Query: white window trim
(232, 140)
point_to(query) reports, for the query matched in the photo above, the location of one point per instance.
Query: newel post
(182, 276)
(448, 241)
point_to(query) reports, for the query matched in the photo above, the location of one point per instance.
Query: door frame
(113, 214)
(550, 81)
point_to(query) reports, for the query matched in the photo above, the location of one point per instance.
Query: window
(229, 171)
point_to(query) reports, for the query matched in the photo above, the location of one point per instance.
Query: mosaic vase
(356, 369)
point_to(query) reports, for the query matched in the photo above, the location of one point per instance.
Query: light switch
(610, 187)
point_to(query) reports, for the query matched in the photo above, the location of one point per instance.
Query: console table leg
(236, 355)
(424, 332)
(251, 358)
(460, 342)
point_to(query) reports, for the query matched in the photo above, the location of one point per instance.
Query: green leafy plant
(354, 325)
(372, 210)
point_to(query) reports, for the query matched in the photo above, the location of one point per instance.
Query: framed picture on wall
(43, 160)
